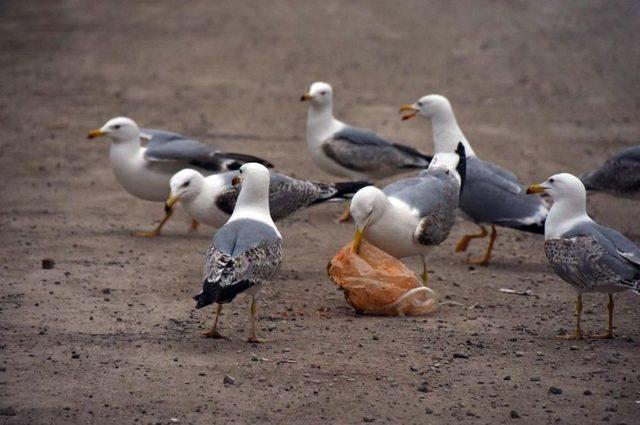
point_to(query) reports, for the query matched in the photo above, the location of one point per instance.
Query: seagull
(493, 196)
(411, 215)
(145, 171)
(619, 175)
(211, 199)
(246, 252)
(591, 257)
(345, 151)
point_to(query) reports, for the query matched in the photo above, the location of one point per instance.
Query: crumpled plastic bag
(374, 282)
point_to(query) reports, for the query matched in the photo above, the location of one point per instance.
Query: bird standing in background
(619, 175)
(246, 252)
(590, 257)
(492, 196)
(145, 171)
(345, 151)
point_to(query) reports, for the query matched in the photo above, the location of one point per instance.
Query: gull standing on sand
(492, 196)
(410, 216)
(618, 176)
(345, 151)
(145, 171)
(590, 257)
(246, 252)
(211, 199)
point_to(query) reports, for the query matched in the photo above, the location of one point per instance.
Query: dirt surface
(110, 334)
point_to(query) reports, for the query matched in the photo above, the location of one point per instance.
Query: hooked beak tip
(535, 189)
(95, 133)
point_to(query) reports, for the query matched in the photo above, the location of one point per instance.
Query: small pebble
(48, 263)
(555, 390)
(229, 380)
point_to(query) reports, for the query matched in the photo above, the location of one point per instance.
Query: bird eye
(323, 93)
(185, 184)
(116, 127)
(420, 104)
(551, 180)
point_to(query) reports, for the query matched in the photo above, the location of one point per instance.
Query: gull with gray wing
(246, 252)
(212, 199)
(145, 171)
(619, 175)
(412, 215)
(587, 255)
(493, 196)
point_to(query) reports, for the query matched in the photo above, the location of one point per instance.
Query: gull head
(367, 206)
(319, 94)
(561, 187)
(185, 185)
(120, 129)
(427, 106)
(254, 178)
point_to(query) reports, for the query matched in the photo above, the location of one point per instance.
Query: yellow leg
(609, 333)
(253, 337)
(464, 242)
(168, 211)
(578, 333)
(425, 272)
(194, 225)
(346, 216)
(213, 333)
(487, 256)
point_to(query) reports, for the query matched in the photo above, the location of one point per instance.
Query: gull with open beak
(145, 171)
(493, 196)
(409, 217)
(590, 257)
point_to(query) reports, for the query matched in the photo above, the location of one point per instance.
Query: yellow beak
(171, 201)
(408, 108)
(95, 133)
(306, 97)
(535, 189)
(357, 240)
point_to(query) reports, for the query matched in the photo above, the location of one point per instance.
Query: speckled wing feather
(243, 253)
(589, 260)
(619, 175)
(288, 195)
(368, 153)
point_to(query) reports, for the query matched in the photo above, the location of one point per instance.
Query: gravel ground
(110, 335)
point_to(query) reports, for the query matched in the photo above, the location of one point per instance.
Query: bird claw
(478, 261)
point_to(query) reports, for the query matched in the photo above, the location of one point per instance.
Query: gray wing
(243, 253)
(489, 197)
(168, 146)
(620, 174)
(589, 258)
(434, 196)
(288, 195)
(366, 152)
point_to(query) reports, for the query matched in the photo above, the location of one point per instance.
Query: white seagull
(590, 257)
(211, 199)
(492, 196)
(145, 171)
(345, 151)
(412, 215)
(246, 252)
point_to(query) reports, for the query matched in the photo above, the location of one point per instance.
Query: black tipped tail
(341, 191)
(237, 159)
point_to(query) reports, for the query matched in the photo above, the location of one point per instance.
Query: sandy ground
(110, 335)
